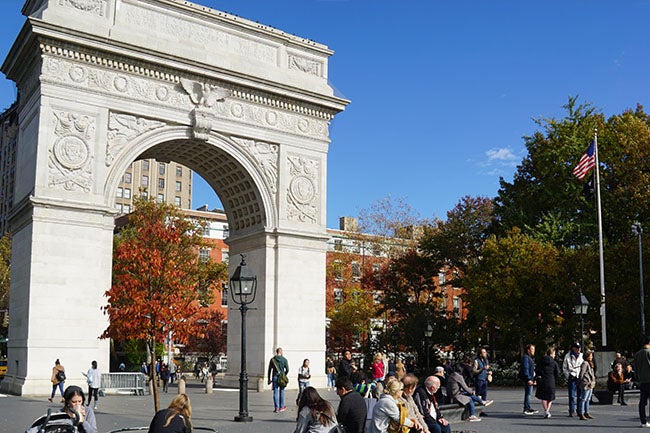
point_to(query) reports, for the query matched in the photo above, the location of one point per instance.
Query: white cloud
(501, 155)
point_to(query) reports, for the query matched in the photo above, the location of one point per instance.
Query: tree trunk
(154, 380)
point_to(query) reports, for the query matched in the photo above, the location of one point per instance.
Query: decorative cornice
(159, 73)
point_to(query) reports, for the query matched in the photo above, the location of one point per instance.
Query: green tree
(513, 293)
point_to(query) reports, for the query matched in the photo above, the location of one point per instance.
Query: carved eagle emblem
(204, 94)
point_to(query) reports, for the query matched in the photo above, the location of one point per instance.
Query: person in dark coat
(547, 371)
(352, 411)
(345, 366)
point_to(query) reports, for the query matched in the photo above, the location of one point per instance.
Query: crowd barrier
(135, 383)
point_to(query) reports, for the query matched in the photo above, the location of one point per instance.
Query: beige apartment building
(167, 182)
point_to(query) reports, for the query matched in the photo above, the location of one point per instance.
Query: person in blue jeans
(481, 370)
(57, 371)
(571, 369)
(528, 377)
(277, 365)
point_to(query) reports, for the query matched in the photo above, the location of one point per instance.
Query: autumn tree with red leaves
(158, 278)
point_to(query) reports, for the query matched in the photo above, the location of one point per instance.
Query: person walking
(352, 411)
(586, 382)
(303, 378)
(330, 370)
(547, 372)
(57, 379)
(641, 366)
(177, 418)
(315, 414)
(527, 375)
(93, 378)
(571, 369)
(278, 365)
(482, 372)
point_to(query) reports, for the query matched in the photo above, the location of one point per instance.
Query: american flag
(587, 162)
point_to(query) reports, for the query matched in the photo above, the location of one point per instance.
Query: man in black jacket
(345, 366)
(352, 409)
(425, 399)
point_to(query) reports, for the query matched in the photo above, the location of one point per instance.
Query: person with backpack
(527, 375)
(277, 376)
(57, 379)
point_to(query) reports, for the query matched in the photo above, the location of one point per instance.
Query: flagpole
(603, 316)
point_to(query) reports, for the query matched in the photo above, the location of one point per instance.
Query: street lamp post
(638, 230)
(580, 307)
(427, 338)
(243, 285)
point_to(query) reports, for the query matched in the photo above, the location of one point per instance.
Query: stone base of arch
(288, 312)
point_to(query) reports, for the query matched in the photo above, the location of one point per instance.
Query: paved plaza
(217, 410)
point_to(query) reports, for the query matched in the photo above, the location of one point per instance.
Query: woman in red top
(377, 369)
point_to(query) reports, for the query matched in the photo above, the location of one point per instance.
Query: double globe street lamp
(243, 286)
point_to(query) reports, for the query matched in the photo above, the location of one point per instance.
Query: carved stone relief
(305, 65)
(266, 156)
(302, 194)
(204, 96)
(71, 156)
(96, 7)
(122, 129)
(162, 89)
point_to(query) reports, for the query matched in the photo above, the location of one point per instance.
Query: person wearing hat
(571, 368)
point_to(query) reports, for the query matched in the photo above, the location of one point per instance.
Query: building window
(338, 244)
(356, 271)
(127, 208)
(177, 201)
(145, 164)
(338, 296)
(127, 193)
(456, 306)
(119, 207)
(179, 171)
(145, 181)
(120, 193)
(226, 232)
(225, 256)
(204, 254)
(441, 278)
(145, 195)
(161, 168)
(206, 231)
(179, 186)
(126, 178)
(224, 296)
(338, 270)
(161, 198)
(161, 182)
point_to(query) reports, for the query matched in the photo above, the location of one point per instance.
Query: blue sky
(443, 91)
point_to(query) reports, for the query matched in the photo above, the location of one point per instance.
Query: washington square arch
(102, 83)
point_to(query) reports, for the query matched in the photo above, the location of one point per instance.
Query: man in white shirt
(571, 368)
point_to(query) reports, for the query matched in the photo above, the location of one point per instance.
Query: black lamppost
(638, 230)
(580, 307)
(427, 338)
(243, 285)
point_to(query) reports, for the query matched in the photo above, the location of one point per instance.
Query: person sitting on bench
(616, 381)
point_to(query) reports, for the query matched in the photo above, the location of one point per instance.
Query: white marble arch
(244, 105)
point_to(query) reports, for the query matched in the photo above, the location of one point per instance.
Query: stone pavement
(217, 410)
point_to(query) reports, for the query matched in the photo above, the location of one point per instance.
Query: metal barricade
(135, 383)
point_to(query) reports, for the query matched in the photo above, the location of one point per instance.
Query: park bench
(604, 396)
(116, 383)
(456, 412)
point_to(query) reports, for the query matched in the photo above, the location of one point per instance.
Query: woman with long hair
(586, 382)
(547, 372)
(315, 414)
(74, 407)
(177, 418)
